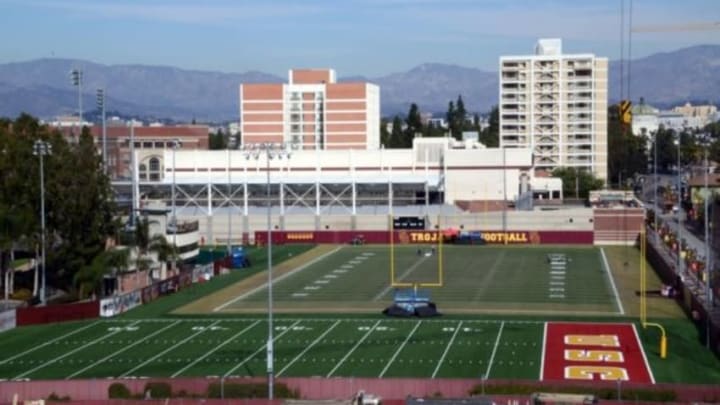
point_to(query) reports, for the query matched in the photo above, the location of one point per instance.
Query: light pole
(229, 180)
(77, 79)
(270, 152)
(679, 201)
(708, 252)
(175, 144)
(655, 185)
(101, 106)
(40, 149)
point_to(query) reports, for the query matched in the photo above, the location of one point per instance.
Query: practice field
(475, 279)
(372, 347)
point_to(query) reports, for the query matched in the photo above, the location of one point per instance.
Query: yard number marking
(121, 350)
(150, 360)
(262, 347)
(177, 373)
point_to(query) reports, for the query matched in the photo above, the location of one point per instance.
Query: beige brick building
(555, 104)
(311, 111)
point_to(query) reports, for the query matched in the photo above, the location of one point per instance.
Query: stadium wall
(214, 229)
(424, 236)
(58, 313)
(325, 388)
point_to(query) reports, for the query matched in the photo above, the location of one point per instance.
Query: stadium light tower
(269, 151)
(101, 107)
(40, 149)
(77, 79)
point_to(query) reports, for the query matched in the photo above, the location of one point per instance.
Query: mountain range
(42, 87)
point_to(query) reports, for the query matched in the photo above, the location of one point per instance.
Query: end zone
(594, 352)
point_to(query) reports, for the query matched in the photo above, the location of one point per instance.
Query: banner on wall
(118, 304)
(7, 320)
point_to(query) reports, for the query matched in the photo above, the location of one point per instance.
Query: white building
(556, 105)
(644, 119)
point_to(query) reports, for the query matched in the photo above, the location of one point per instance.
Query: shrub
(651, 395)
(55, 397)
(235, 390)
(158, 390)
(119, 391)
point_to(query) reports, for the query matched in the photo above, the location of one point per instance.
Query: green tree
(577, 183)
(384, 134)
(80, 206)
(414, 126)
(89, 279)
(396, 135)
(217, 140)
(490, 136)
(450, 117)
(627, 154)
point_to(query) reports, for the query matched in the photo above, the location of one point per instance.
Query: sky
(355, 37)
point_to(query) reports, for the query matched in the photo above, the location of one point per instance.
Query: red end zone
(593, 351)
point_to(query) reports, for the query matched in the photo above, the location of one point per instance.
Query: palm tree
(89, 279)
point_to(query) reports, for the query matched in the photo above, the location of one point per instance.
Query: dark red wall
(413, 237)
(58, 313)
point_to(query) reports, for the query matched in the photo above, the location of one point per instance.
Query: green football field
(474, 279)
(499, 302)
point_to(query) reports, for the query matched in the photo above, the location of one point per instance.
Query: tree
(396, 135)
(218, 140)
(79, 200)
(577, 183)
(384, 134)
(89, 279)
(627, 154)
(414, 126)
(81, 211)
(490, 136)
(450, 117)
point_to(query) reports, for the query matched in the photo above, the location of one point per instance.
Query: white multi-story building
(556, 104)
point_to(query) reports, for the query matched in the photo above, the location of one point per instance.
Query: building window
(143, 172)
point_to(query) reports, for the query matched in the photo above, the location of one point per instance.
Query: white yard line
(392, 359)
(642, 350)
(48, 343)
(299, 356)
(263, 347)
(352, 350)
(612, 282)
(121, 350)
(542, 355)
(275, 280)
(230, 339)
(447, 349)
(47, 363)
(150, 360)
(407, 273)
(492, 356)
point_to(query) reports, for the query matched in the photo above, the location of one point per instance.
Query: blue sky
(356, 37)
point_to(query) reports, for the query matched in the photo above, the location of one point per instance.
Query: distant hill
(42, 87)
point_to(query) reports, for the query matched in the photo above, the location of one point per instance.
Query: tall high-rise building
(311, 111)
(556, 104)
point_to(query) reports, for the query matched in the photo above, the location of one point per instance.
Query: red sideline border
(555, 364)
